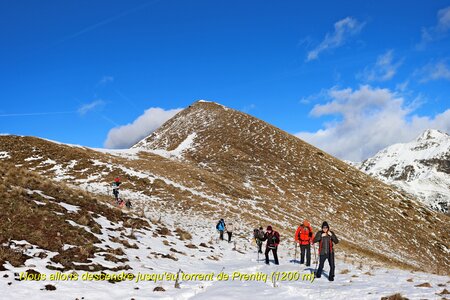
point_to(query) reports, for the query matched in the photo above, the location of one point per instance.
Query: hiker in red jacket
(326, 238)
(304, 236)
(273, 239)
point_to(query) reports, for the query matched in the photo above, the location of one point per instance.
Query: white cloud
(343, 30)
(314, 97)
(436, 32)
(444, 19)
(106, 79)
(369, 119)
(127, 135)
(402, 86)
(85, 108)
(384, 68)
(434, 71)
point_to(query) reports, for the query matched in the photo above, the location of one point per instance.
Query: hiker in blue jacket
(221, 227)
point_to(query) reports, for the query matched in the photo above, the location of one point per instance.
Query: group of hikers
(115, 189)
(222, 227)
(304, 238)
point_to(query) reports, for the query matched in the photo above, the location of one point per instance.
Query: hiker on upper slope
(221, 227)
(273, 240)
(326, 238)
(258, 235)
(229, 229)
(115, 186)
(304, 237)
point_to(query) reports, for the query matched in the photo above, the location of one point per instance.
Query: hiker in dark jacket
(258, 234)
(273, 239)
(325, 238)
(115, 185)
(221, 227)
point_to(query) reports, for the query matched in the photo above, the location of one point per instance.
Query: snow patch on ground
(48, 161)
(34, 157)
(4, 155)
(41, 193)
(69, 207)
(131, 154)
(187, 144)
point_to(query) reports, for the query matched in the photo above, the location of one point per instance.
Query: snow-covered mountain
(420, 167)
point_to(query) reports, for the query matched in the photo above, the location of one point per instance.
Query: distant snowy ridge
(420, 167)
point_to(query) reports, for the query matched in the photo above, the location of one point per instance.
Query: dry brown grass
(115, 259)
(425, 284)
(50, 287)
(81, 254)
(124, 242)
(444, 292)
(182, 234)
(14, 257)
(117, 251)
(397, 296)
(163, 231)
(23, 219)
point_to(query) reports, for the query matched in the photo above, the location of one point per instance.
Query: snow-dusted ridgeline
(420, 167)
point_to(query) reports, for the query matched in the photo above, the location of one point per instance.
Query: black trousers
(322, 259)
(221, 234)
(305, 249)
(274, 252)
(229, 236)
(259, 243)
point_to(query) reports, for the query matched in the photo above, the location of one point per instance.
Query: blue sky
(348, 76)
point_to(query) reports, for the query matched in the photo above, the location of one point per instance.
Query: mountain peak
(420, 167)
(206, 103)
(431, 134)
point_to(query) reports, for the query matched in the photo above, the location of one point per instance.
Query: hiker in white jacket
(229, 228)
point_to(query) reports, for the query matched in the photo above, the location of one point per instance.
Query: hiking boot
(331, 278)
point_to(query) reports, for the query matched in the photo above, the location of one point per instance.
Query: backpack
(304, 230)
(220, 225)
(260, 234)
(276, 237)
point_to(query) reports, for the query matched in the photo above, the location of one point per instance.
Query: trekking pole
(295, 255)
(315, 258)
(315, 255)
